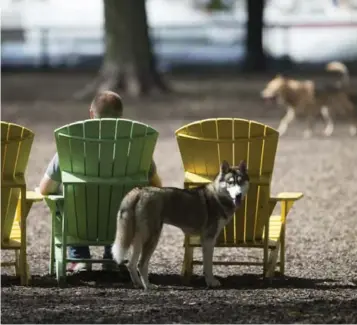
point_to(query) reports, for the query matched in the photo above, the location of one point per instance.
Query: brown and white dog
(307, 99)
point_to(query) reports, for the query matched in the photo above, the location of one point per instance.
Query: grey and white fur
(203, 211)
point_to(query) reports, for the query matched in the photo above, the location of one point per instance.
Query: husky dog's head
(234, 181)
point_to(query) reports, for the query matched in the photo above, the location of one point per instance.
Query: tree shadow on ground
(102, 279)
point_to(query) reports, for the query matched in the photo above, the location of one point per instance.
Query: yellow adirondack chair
(16, 202)
(203, 146)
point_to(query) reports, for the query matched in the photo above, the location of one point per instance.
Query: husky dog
(311, 100)
(203, 211)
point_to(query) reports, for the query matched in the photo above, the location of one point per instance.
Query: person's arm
(51, 181)
(155, 179)
(48, 186)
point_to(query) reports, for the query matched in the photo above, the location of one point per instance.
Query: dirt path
(321, 269)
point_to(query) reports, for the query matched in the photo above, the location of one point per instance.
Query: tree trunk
(255, 59)
(129, 64)
(143, 70)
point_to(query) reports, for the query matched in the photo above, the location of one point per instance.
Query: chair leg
(18, 269)
(60, 265)
(17, 263)
(23, 267)
(61, 262)
(282, 254)
(266, 250)
(52, 256)
(60, 275)
(265, 261)
(286, 206)
(23, 258)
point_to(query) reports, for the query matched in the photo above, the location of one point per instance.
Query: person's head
(106, 104)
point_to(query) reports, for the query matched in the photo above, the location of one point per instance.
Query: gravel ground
(321, 264)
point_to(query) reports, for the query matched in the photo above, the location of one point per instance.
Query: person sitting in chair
(106, 104)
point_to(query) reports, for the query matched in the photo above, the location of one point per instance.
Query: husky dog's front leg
(207, 253)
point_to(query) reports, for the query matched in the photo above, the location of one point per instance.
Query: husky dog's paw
(213, 283)
(138, 285)
(149, 286)
(135, 279)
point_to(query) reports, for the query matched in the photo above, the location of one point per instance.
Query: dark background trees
(129, 64)
(255, 56)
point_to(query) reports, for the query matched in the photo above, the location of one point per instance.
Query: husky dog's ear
(224, 167)
(243, 166)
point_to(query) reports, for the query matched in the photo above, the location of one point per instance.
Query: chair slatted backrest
(115, 155)
(205, 144)
(16, 143)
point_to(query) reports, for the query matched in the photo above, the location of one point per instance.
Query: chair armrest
(51, 201)
(54, 198)
(287, 196)
(287, 199)
(33, 196)
(37, 195)
(195, 179)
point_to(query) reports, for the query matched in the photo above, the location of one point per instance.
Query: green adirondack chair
(16, 201)
(101, 160)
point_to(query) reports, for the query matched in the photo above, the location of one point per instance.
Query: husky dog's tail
(126, 224)
(342, 69)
